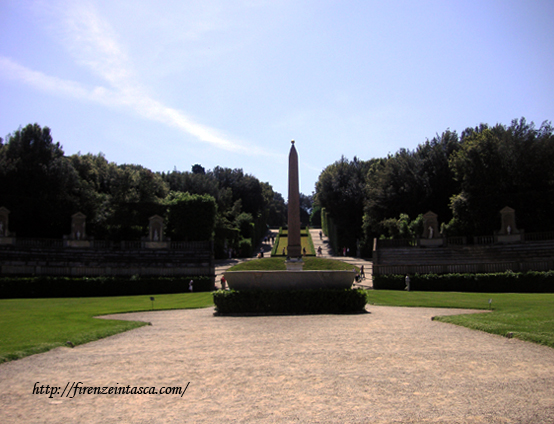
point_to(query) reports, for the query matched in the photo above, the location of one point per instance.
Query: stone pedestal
(431, 242)
(77, 243)
(156, 244)
(294, 264)
(290, 280)
(509, 238)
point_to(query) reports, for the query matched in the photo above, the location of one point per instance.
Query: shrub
(41, 287)
(245, 248)
(501, 282)
(289, 301)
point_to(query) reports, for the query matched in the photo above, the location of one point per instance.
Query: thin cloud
(14, 71)
(94, 44)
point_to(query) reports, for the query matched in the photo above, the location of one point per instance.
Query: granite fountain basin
(289, 280)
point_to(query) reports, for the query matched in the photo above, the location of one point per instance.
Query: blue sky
(168, 84)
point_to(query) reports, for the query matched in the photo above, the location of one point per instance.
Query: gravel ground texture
(391, 365)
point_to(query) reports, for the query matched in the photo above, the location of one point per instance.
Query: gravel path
(393, 365)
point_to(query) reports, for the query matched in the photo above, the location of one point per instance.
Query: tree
(136, 194)
(191, 217)
(198, 169)
(340, 190)
(504, 166)
(277, 209)
(94, 194)
(306, 205)
(37, 183)
(243, 186)
(411, 183)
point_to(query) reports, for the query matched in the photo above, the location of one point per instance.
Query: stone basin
(289, 280)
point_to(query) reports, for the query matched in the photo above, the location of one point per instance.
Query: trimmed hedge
(501, 282)
(276, 244)
(289, 301)
(42, 287)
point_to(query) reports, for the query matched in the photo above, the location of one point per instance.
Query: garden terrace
(524, 256)
(51, 257)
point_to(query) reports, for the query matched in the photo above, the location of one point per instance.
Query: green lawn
(305, 243)
(278, 264)
(528, 317)
(29, 326)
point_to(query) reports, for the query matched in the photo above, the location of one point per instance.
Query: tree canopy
(466, 180)
(42, 188)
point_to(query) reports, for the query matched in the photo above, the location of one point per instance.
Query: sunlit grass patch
(525, 316)
(29, 326)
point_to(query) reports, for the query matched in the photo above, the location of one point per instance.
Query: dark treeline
(42, 188)
(466, 179)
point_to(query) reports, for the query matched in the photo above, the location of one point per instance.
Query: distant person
(190, 285)
(320, 235)
(362, 272)
(304, 251)
(223, 282)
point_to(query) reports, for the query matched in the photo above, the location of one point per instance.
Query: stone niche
(78, 236)
(156, 239)
(5, 236)
(431, 235)
(508, 233)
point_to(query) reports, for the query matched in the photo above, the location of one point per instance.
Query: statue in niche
(509, 233)
(508, 222)
(4, 215)
(78, 226)
(430, 225)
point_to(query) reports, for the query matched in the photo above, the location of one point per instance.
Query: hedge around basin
(266, 302)
(45, 287)
(500, 282)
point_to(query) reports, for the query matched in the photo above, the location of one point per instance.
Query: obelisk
(294, 248)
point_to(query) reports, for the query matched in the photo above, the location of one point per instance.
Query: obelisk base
(294, 264)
